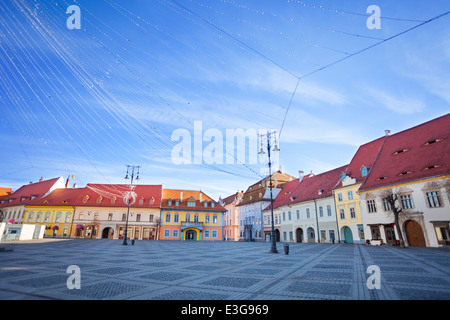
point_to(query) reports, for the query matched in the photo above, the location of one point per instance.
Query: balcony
(188, 224)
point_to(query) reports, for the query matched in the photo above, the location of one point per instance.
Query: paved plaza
(161, 270)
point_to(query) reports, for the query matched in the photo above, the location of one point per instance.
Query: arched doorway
(191, 235)
(414, 234)
(311, 234)
(299, 235)
(348, 235)
(108, 233)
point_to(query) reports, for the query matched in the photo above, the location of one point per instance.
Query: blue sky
(89, 102)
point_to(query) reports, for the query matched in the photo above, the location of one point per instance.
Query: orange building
(190, 215)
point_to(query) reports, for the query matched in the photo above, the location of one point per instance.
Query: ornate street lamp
(273, 248)
(129, 196)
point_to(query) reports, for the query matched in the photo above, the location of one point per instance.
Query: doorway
(414, 234)
(299, 235)
(191, 235)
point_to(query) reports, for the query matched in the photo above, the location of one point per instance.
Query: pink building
(231, 217)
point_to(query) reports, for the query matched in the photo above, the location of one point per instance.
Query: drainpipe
(317, 222)
(336, 215)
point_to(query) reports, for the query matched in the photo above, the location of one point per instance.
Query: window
(150, 218)
(207, 219)
(291, 236)
(99, 199)
(176, 217)
(167, 233)
(205, 204)
(113, 200)
(433, 199)
(289, 216)
(215, 219)
(352, 213)
(152, 201)
(124, 217)
(169, 202)
(68, 217)
(110, 216)
(298, 214)
(141, 201)
(371, 206)
(321, 211)
(342, 213)
(340, 197)
(364, 171)
(214, 234)
(206, 234)
(386, 205)
(58, 217)
(188, 217)
(175, 233)
(138, 217)
(308, 214)
(177, 203)
(191, 203)
(406, 201)
(85, 199)
(329, 210)
(196, 217)
(167, 217)
(350, 195)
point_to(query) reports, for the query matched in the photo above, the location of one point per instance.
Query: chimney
(281, 168)
(388, 133)
(67, 181)
(200, 196)
(75, 186)
(301, 174)
(181, 196)
(41, 179)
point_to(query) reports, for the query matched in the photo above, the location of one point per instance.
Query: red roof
(59, 197)
(116, 195)
(25, 194)
(183, 196)
(364, 156)
(312, 187)
(417, 153)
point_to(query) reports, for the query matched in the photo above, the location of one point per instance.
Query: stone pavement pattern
(220, 271)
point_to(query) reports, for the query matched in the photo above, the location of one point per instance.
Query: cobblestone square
(163, 270)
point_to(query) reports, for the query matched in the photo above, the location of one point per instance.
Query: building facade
(231, 216)
(256, 198)
(188, 215)
(413, 166)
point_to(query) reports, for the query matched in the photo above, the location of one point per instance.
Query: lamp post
(129, 196)
(273, 248)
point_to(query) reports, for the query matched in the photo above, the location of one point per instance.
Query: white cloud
(399, 104)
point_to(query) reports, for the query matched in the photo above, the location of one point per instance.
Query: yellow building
(346, 194)
(190, 215)
(55, 211)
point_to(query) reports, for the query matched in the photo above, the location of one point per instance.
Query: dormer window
(404, 173)
(364, 171)
(381, 178)
(343, 176)
(85, 199)
(432, 141)
(177, 202)
(169, 202)
(152, 200)
(321, 191)
(212, 204)
(99, 199)
(33, 197)
(141, 200)
(113, 200)
(205, 204)
(23, 198)
(400, 151)
(191, 202)
(432, 167)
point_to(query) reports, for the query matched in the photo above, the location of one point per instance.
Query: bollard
(286, 249)
(132, 242)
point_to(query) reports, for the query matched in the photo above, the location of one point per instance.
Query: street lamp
(129, 196)
(273, 248)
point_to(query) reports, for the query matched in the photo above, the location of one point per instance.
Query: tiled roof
(417, 153)
(309, 188)
(25, 194)
(116, 195)
(364, 156)
(257, 191)
(58, 197)
(183, 196)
